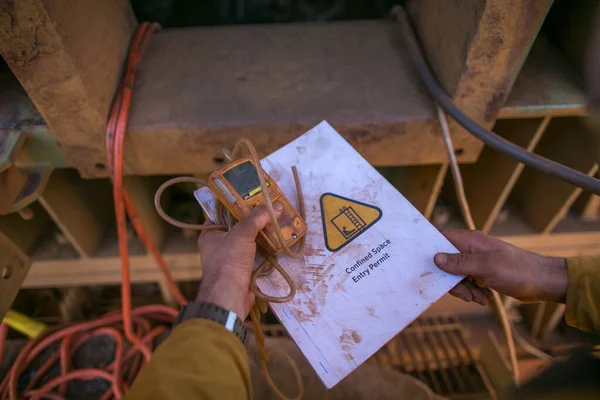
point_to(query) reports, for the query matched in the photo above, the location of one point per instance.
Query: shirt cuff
(583, 296)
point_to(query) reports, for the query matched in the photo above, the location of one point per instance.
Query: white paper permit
(367, 270)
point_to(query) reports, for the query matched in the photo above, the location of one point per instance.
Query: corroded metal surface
(27, 152)
(434, 350)
(14, 266)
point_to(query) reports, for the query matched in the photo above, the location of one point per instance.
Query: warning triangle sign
(345, 219)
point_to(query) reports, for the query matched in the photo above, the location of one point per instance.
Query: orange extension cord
(140, 326)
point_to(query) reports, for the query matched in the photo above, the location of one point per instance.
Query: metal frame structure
(201, 89)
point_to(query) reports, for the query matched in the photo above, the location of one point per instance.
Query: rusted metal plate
(546, 85)
(496, 366)
(37, 178)
(490, 180)
(20, 186)
(477, 48)
(446, 30)
(543, 200)
(11, 141)
(68, 55)
(14, 266)
(26, 233)
(82, 210)
(12, 181)
(32, 144)
(201, 89)
(593, 64)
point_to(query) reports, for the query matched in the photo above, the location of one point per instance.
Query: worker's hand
(227, 261)
(501, 266)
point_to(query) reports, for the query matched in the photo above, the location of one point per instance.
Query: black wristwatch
(213, 312)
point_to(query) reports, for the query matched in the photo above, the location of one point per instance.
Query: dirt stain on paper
(371, 312)
(348, 339)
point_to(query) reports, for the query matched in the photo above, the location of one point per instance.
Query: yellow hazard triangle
(345, 219)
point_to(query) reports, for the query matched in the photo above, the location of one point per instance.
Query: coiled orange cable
(137, 324)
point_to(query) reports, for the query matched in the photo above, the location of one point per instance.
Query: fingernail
(440, 259)
(278, 206)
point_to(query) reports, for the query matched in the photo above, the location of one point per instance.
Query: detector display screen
(244, 180)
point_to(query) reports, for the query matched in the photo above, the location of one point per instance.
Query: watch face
(213, 312)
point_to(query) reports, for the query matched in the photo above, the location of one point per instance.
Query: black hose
(494, 141)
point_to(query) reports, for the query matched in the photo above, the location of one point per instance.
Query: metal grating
(434, 350)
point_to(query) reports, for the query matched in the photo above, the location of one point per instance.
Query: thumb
(460, 263)
(256, 220)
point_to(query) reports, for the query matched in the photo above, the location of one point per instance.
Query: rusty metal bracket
(28, 151)
(20, 186)
(496, 366)
(14, 266)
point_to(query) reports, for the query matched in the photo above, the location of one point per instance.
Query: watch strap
(215, 313)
